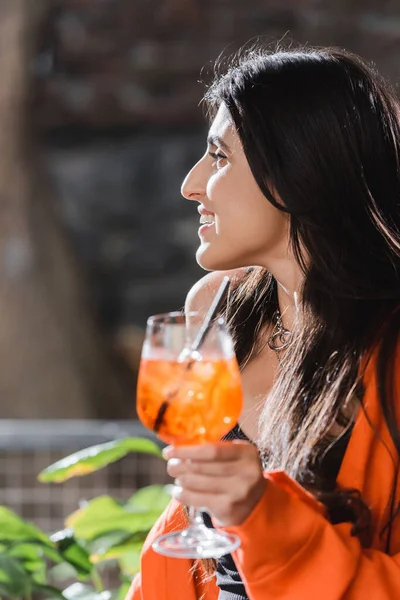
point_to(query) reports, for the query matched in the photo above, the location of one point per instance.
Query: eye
(217, 156)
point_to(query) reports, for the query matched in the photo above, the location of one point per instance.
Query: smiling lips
(206, 217)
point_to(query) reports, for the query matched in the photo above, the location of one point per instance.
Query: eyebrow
(215, 140)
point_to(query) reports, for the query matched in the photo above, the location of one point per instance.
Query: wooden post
(53, 360)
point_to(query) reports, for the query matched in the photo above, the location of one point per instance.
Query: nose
(194, 184)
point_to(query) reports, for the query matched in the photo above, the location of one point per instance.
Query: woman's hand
(225, 478)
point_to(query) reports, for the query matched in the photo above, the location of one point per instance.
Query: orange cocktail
(189, 405)
(189, 393)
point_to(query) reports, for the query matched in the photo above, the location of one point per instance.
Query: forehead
(222, 125)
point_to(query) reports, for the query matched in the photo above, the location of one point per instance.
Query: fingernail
(167, 452)
(176, 491)
(174, 462)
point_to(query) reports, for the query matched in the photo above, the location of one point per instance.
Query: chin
(210, 260)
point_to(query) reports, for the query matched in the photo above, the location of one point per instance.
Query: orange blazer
(289, 549)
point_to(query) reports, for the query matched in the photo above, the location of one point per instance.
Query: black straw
(211, 314)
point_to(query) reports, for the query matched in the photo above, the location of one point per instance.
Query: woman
(300, 187)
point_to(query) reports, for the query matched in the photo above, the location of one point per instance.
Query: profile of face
(240, 226)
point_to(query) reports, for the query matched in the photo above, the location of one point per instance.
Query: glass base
(198, 541)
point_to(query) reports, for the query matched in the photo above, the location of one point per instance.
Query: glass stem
(195, 517)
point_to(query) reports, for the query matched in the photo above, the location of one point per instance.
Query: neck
(289, 279)
(289, 276)
(287, 306)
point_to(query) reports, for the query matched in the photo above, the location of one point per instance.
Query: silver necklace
(280, 337)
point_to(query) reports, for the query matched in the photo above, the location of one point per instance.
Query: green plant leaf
(123, 591)
(118, 553)
(43, 548)
(104, 515)
(8, 591)
(77, 591)
(96, 457)
(14, 580)
(115, 538)
(13, 527)
(62, 572)
(72, 552)
(25, 551)
(49, 591)
(153, 497)
(32, 558)
(129, 562)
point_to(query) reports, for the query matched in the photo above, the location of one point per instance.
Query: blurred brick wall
(124, 74)
(137, 62)
(119, 62)
(120, 199)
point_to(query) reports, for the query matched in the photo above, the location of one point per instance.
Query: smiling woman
(245, 229)
(299, 195)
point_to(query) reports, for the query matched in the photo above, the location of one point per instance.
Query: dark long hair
(321, 132)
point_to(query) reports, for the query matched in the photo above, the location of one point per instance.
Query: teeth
(206, 219)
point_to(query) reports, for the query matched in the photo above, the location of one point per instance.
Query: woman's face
(243, 228)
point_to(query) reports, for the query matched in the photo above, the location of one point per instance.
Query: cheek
(242, 210)
(228, 199)
(215, 189)
(254, 223)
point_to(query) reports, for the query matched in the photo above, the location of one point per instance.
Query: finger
(176, 467)
(206, 501)
(201, 483)
(220, 451)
